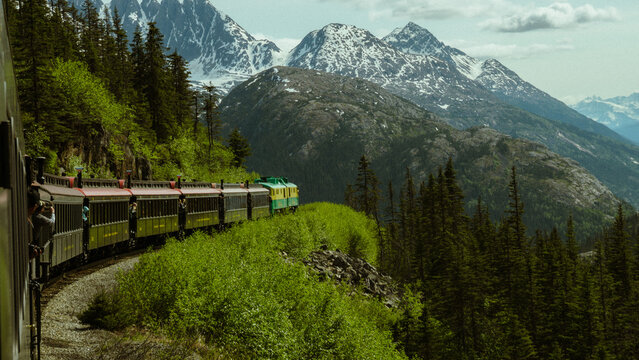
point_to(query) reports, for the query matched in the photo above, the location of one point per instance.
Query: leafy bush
(239, 293)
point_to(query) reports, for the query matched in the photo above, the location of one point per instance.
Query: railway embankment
(64, 336)
(247, 293)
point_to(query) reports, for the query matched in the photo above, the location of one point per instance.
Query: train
(124, 213)
(120, 214)
(99, 217)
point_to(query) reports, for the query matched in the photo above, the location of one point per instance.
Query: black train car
(16, 315)
(66, 241)
(233, 203)
(202, 201)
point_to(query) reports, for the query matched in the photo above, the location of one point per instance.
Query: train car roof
(272, 186)
(154, 192)
(96, 191)
(233, 189)
(257, 188)
(198, 191)
(60, 190)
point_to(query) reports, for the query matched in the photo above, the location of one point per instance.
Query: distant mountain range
(313, 126)
(409, 62)
(619, 113)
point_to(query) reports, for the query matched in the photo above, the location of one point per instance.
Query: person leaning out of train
(38, 220)
(85, 211)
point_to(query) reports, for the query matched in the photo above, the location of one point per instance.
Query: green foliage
(90, 99)
(239, 293)
(493, 292)
(103, 312)
(240, 147)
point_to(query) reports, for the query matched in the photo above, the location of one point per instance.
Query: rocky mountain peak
(414, 39)
(215, 46)
(620, 113)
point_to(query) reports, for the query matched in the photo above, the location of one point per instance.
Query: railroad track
(57, 283)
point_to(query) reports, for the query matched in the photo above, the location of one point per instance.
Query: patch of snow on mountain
(579, 147)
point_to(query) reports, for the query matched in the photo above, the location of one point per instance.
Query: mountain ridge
(324, 122)
(620, 113)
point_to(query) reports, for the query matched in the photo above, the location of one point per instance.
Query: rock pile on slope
(340, 267)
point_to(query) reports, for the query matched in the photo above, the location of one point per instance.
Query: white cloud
(429, 9)
(557, 15)
(444, 9)
(500, 51)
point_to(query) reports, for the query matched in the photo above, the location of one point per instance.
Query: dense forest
(484, 290)
(90, 97)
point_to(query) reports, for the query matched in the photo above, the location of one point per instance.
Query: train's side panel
(15, 308)
(157, 225)
(109, 223)
(292, 195)
(65, 247)
(66, 242)
(202, 211)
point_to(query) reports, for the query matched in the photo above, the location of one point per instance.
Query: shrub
(238, 293)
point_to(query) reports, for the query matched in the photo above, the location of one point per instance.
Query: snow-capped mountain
(619, 113)
(216, 47)
(494, 76)
(414, 39)
(426, 80)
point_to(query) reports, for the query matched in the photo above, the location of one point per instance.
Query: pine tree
(122, 76)
(181, 92)
(367, 189)
(157, 83)
(618, 258)
(90, 38)
(32, 52)
(138, 82)
(211, 115)
(391, 235)
(64, 36)
(240, 147)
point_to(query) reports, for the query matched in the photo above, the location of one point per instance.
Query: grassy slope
(240, 295)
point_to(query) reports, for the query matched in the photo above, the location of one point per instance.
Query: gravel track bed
(63, 335)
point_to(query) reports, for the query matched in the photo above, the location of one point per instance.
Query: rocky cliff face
(340, 267)
(314, 126)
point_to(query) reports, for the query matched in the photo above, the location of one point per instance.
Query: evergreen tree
(122, 75)
(211, 115)
(239, 145)
(157, 84)
(181, 92)
(32, 52)
(63, 33)
(139, 80)
(90, 37)
(366, 189)
(618, 258)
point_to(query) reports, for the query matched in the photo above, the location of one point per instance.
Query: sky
(569, 49)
